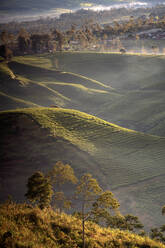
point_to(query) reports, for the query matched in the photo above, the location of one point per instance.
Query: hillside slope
(124, 89)
(32, 227)
(32, 84)
(138, 78)
(34, 139)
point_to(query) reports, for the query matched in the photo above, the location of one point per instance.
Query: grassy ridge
(105, 141)
(10, 102)
(32, 227)
(124, 89)
(134, 85)
(21, 89)
(25, 80)
(118, 157)
(139, 80)
(35, 63)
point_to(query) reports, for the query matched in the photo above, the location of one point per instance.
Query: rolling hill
(29, 82)
(124, 89)
(129, 163)
(138, 79)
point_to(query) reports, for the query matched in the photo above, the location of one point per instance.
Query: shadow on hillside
(42, 74)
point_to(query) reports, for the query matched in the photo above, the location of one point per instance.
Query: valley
(82, 117)
(127, 90)
(118, 136)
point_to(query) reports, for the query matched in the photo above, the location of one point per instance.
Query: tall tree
(163, 210)
(23, 40)
(39, 190)
(86, 193)
(6, 53)
(61, 175)
(4, 37)
(103, 206)
(40, 42)
(159, 233)
(59, 37)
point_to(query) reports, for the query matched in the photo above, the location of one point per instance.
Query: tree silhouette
(39, 190)
(6, 52)
(86, 193)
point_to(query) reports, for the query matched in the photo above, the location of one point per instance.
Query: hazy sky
(56, 12)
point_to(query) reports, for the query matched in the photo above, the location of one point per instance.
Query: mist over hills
(124, 89)
(25, 11)
(122, 160)
(138, 81)
(102, 113)
(128, 162)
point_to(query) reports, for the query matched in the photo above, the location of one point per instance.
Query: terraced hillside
(124, 89)
(127, 162)
(138, 78)
(34, 85)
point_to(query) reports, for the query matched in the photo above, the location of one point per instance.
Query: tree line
(86, 198)
(90, 36)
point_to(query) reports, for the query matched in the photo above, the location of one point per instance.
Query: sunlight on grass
(47, 228)
(39, 61)
(5, 69)
(92, 80)
(15, 99)
(78, 86)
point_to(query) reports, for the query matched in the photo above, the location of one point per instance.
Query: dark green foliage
(155, 233)
(103, 206)
(5, 52)
(127, 222)
(159, 233)
(163, 210)
(39, 190)
(39, 42)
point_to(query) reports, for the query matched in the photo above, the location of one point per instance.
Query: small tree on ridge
(39, 190)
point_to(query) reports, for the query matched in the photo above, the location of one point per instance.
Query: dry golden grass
(22, 225)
